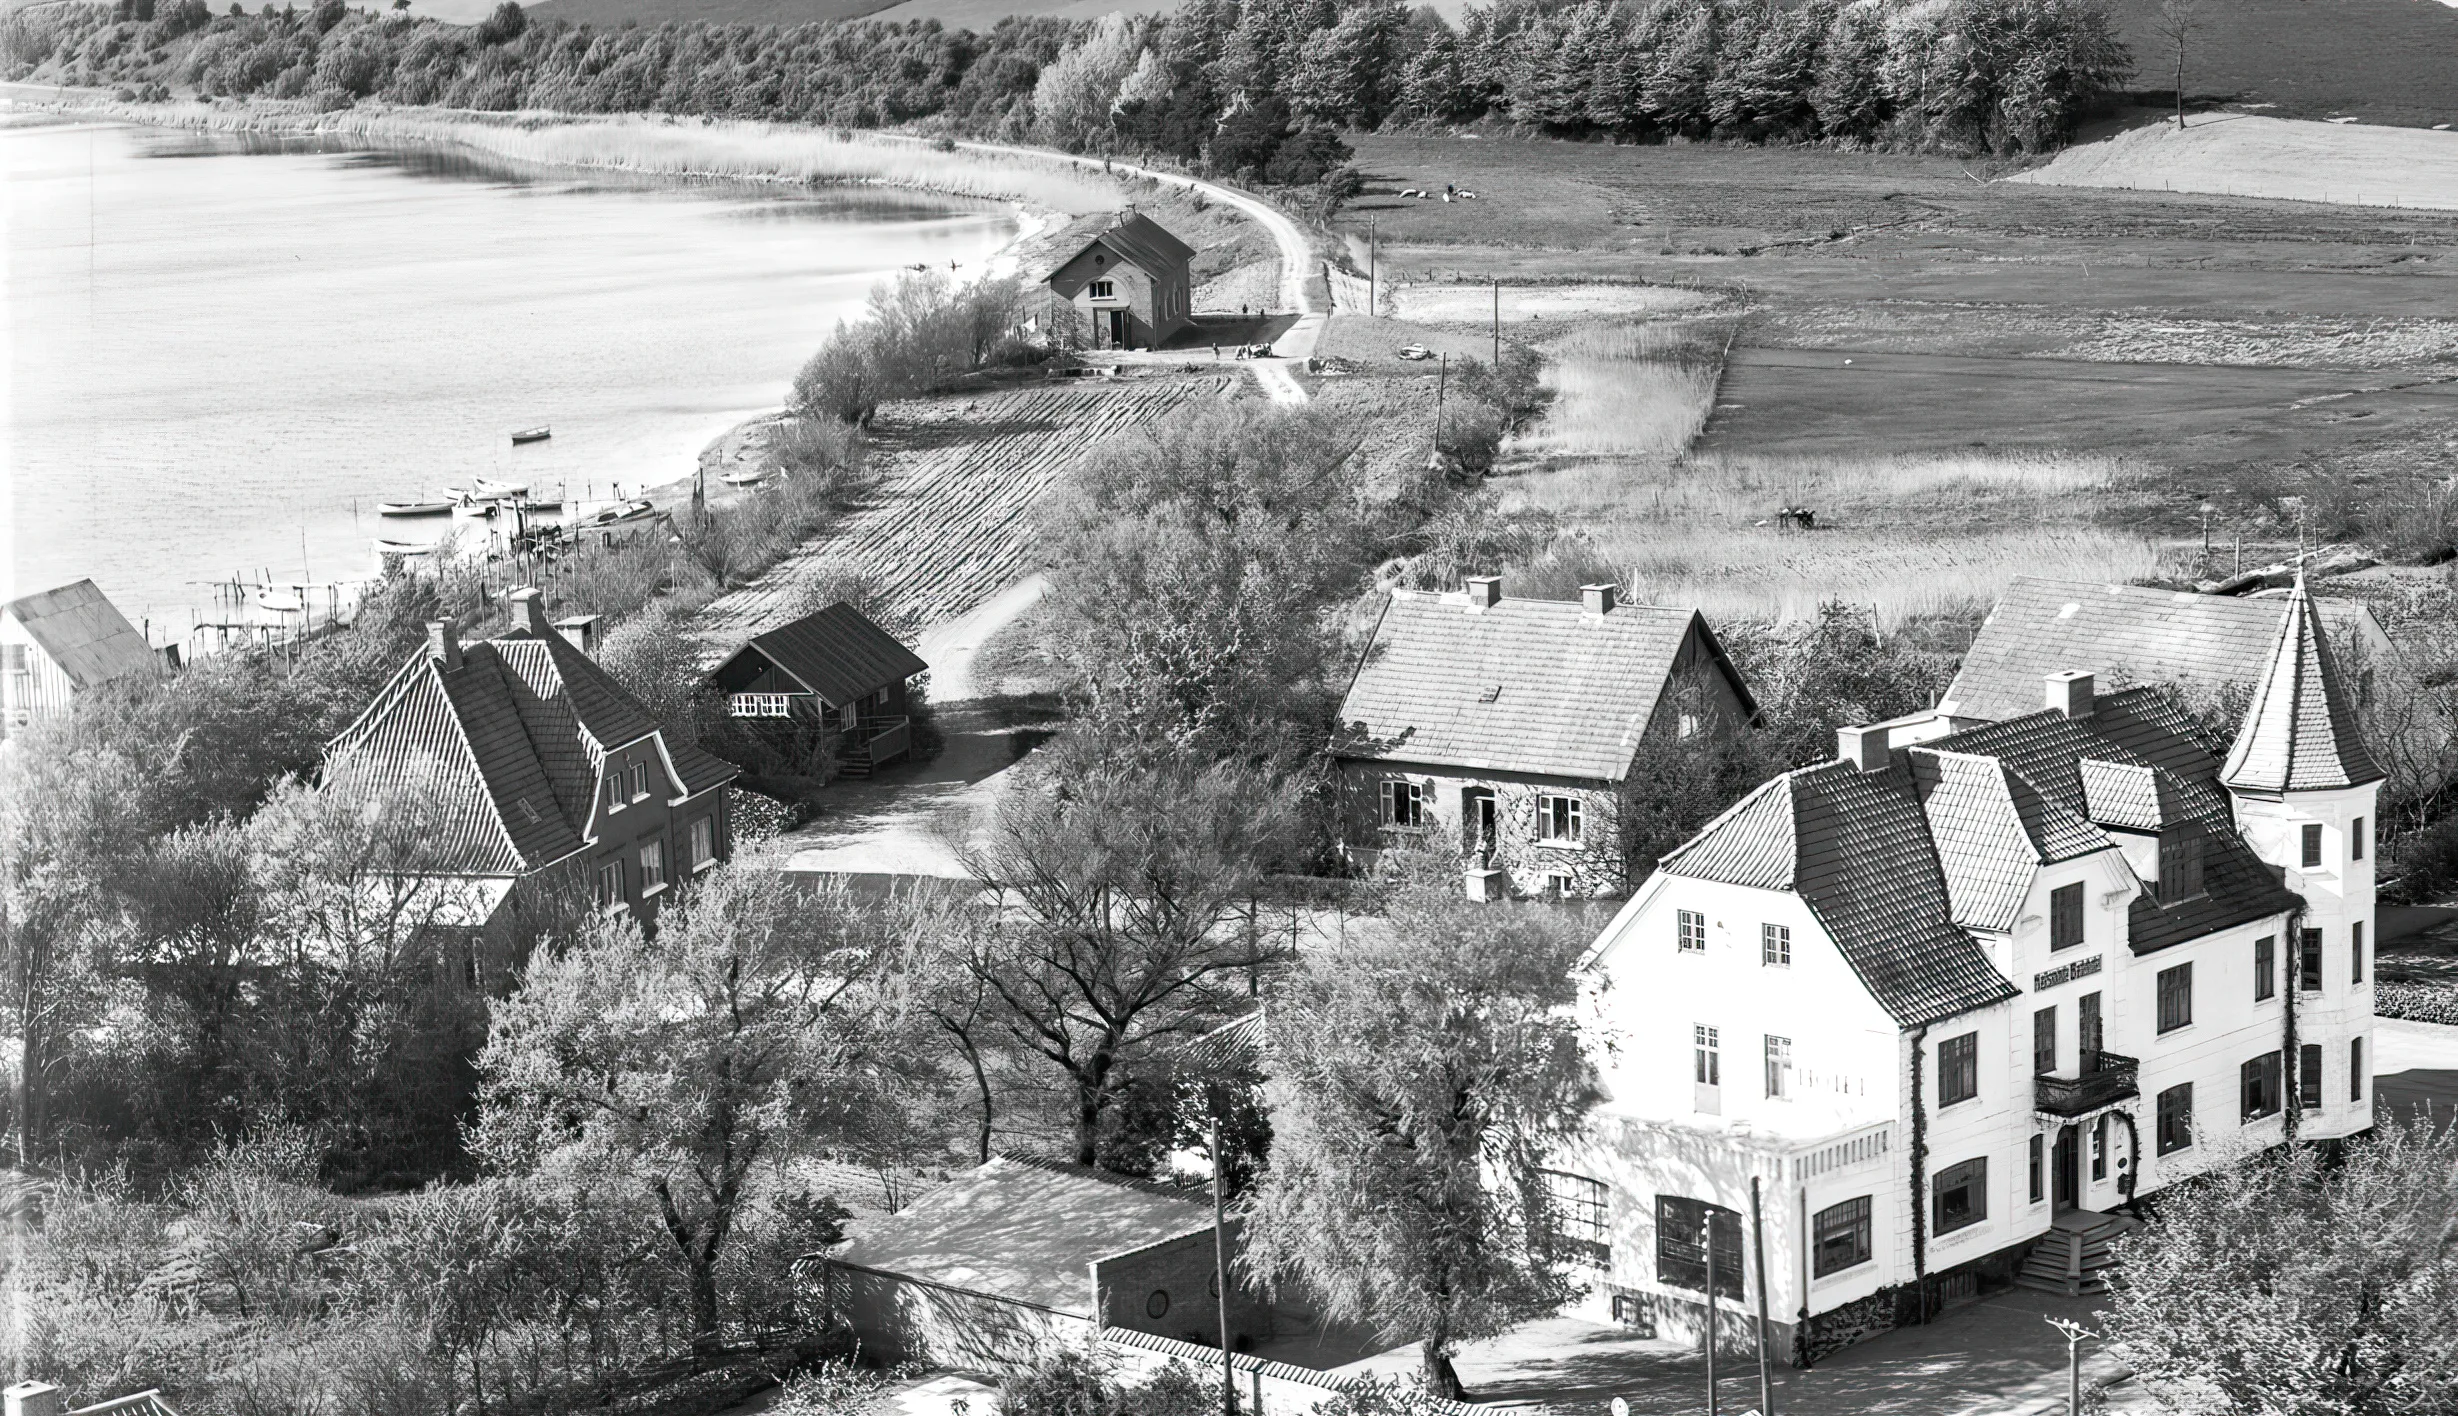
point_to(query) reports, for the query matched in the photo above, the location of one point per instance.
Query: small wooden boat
(746, 477)
(281, 602)
(487, 489)
(413, 508)
(530, 435)
(403, 548)
(619, 514)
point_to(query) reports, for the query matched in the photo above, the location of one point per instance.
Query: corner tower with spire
(2306, 790)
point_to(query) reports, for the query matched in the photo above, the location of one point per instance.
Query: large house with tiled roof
(1918, 1019)
(1505, 728)
(2122, 634)
(543, 773)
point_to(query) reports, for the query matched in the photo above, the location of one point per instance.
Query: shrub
(1070, 1382)
(2434, 1002)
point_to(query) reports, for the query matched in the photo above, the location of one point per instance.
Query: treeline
(1244, 87)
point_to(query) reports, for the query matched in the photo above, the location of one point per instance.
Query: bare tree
(1133, 919)
(2176, 23)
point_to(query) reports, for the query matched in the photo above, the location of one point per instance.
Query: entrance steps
(2073, 1256)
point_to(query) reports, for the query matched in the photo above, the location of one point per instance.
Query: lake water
(223, 351)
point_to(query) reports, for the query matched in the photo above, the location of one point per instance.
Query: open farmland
(1887, 311)
(950, 520)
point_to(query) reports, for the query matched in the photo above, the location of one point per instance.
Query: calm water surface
(223, 352)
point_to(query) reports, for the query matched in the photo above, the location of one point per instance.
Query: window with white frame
(610, 883)
(1104, 290)
(614, 790)
(1560, 886)
(1580, 1212)
(1775, 945)
(1961, 1195)
(1690, 931)
(652, 867)
(1558, 820)
(1404, 804)
(703, 843)
(1779, 1067)
(1708, 1055)
(640, 781)
(1841, 1237)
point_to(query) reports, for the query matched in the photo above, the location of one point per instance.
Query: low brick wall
(1176, 1277)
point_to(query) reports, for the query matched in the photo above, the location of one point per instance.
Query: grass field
(2242, 154)
(2385, 61)
(1898, 312)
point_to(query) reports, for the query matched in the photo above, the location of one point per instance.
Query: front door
(1117, 328)
(2064, 1166)
(1479, 819)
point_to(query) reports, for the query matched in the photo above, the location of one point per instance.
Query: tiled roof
(1537, 686)
(2131, 796)
(1856, 848)
(505, 748)
(1023, 1230)
(837, 653)
(1992, 830)
(1130, 235)
(2300, 733)
(79, 628)
(2138, 728)
(2121, 634)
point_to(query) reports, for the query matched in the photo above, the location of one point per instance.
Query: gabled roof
(79, 628)
(2138, 728)
(837, 653)
(1536, 686)
(1992, 830)
(1856, 848)
(2300, 733)
(1130, 235)
(1023, 1229)
(2120, 633)
(507, 749)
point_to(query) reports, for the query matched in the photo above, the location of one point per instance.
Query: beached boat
(618, 514)
(747, 477)
(530, 435)
(413, 508)
(402, 548)
(279, 601)
(487, 489)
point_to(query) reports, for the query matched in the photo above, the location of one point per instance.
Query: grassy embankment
(1964, 379)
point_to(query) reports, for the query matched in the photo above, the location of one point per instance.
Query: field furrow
(950, 522)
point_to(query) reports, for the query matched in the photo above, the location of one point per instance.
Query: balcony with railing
(2107, 1078)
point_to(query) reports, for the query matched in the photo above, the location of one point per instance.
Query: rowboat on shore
(280, 601)
(746, 477)
(413, 508)
(618, 514)
(530, 435)
(403, 548)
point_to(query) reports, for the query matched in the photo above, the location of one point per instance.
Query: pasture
(1887, 312)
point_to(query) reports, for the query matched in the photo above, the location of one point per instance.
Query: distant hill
(982, 14)
(2384, 61)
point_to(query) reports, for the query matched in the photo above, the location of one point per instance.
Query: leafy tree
(751, 1025)
(1421, 1070)
(2287, 1282)
(1131, 919)
(1201, 565)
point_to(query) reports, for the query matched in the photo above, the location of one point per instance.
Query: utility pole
(1712, 1408)
(1220, 1256)
(1758, 1248)
(1442, 382)
(1374, 299)
(2074, 1334)
(1497, 322)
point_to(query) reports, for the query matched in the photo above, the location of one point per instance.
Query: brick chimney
(1864, 748)
(529, 611)
(580, 631)
(1598, 599)
(1484, 591)
(444, 642)
(2069, 693)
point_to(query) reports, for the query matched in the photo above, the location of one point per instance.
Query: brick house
(1939, 1007)
(1122, 281)
(834, 669)
(1507, 726)
(548, 777)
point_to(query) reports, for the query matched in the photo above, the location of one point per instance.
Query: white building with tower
(1924, 1018)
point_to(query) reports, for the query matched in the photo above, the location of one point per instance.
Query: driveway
(904, 821)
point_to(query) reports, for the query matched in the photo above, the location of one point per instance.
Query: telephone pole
(1220, 1257)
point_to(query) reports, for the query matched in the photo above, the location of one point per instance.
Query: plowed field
(950, 524)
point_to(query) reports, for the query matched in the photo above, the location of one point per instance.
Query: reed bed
(1948, 489)
(663, 146)
(1634, 391)
(1778, 576)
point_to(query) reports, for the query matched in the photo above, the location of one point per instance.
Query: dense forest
(1256, 88)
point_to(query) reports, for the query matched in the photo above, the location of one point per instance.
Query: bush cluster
(1256, 89)
(922, 331)
(2417, 1002)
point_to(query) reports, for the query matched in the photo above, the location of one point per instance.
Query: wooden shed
(59, 643)
(837, 668)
